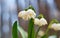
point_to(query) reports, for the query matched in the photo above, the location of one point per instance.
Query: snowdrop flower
(36, 21)
(40, 22)
(43, 21)
(25, 17)
(55, 26)
(31, 13)
(27, 14)
(41, 33)
(21, 14)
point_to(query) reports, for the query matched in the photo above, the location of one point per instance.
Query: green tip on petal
(40, 16)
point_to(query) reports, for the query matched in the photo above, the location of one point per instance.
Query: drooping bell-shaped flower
(55, 26)
(26, 15)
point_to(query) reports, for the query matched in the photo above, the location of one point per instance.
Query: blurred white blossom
(41, 33)
(55, 26)
(43, 21)
(40, 22)
(27, 14)
(53, 36)
(31, 13)
(36, 21)
(21, 14)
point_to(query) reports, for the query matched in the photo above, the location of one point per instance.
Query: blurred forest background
(9, 13)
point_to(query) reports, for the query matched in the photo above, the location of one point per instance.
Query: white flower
(55, 26)
(27, 14)
(25, 17)
(43, 21)
(31, 13)
(40, 22)
(21, 14)
(36, 21)
(41, 33)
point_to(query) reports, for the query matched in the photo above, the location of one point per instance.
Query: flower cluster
(40, 20)
(26, 15)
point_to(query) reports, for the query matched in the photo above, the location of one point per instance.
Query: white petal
(56, 26)
(41, 33)
(31, 13)
(25, 18)
(21, 14)
(43, 21)
(36, 21)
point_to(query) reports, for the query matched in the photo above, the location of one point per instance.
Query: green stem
(53, 21)
(47, 29)
(46, 34)
(37, 32)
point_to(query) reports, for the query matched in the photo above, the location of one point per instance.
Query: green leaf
(31, 33)
(14, 30)
(23, 33)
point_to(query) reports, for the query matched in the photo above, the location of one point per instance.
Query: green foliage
(31, 33)
(14, 30)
